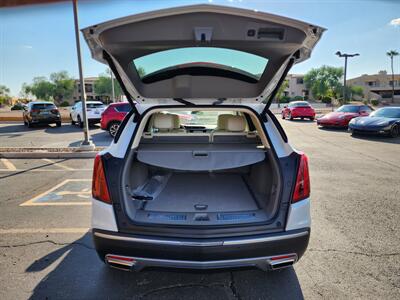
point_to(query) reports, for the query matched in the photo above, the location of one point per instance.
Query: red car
(298, 109)
(113, 116)
(342, 116)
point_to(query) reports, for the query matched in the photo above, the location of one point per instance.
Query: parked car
(298, 109)
(232, 194)
(40, 112)
(18, 106)
(342, 116)
(112, 117)
(94, 109)
(385, 120)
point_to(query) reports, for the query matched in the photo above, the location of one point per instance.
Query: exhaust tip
(282, 261)
(120, 262)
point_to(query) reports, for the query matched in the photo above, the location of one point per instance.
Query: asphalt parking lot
(46, 251)
(15, 134)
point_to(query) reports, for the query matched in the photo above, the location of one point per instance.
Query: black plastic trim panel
(297, 244)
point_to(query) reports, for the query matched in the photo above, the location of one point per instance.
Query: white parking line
(44, 230)
(8, 164)
(58, 164)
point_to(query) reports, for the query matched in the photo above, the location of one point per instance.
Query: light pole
(86, 143)
(112, 86)
(345, 55)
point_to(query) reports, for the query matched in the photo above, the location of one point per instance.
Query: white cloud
(27, 46)
(395, 22)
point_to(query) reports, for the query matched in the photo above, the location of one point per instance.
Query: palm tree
(392, 54)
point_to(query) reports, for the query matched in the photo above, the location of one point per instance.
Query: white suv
(94, 109)
(201, 174)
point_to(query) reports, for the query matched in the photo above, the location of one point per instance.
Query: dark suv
(41, 113)
(200, 174)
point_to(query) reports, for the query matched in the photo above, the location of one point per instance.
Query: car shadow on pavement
(102, 139)
(377, 138)
(77, 273)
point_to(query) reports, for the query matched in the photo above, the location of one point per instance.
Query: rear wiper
(183, 101)
(219, 101)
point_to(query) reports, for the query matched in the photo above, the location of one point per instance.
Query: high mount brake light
(99, 183)
(302, 187)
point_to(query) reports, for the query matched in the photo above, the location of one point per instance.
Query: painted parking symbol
(68, 192)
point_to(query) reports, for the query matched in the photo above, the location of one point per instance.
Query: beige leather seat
(221, 122)
(166, 123)
(235, 130)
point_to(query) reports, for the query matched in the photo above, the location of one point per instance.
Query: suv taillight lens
(302, 188)
(99, 183)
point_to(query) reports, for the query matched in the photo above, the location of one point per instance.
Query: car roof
(119, 103)
(41, 102)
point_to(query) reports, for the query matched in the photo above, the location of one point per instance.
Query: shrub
(285, 99)
(297, 98)
(326, 100)
(64, 104)
(374, 102)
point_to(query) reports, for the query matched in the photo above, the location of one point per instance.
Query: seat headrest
(235, 123)
(221, 122)
(166, 121)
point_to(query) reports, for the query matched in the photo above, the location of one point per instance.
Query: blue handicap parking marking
(68, 192)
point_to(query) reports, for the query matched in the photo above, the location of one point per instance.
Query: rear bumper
(370, 131)
(46, 120)
(338, 124)
(94, 120)
(252, 251)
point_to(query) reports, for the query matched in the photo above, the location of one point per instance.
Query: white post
(86, 143)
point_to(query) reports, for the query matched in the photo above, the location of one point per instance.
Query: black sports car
(385, 120)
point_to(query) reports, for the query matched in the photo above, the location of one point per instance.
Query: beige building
(89, 89)
(378, 86)
(296, 86)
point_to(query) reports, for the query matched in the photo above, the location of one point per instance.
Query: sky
(38, 40)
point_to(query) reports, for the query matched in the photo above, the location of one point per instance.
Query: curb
(47, 153)
(90, 154)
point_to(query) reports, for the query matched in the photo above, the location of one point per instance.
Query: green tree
(63, 86)
(4, 97)
(60, 87)
(280, 92)
(41, 88)
(356, 91)
(103, 86)
(4, 90)
(392, 54)
(141, 71)
(324, 81)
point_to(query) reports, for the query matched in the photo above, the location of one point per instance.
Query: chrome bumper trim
(264, 263)
(229, 242)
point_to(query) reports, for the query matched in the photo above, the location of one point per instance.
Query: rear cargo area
(217, 177)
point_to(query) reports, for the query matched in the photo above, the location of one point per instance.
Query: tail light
(35, 110)
(99, 183)
(302, 187)
(54, 111)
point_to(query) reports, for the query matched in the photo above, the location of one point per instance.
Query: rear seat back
(234, 132)
(165, 128)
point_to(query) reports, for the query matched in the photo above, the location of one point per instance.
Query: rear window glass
(94, 105)
(233, 60)
(43, 106)
(349, 108)
(299, 104)
(207, 119)
(123, 107)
